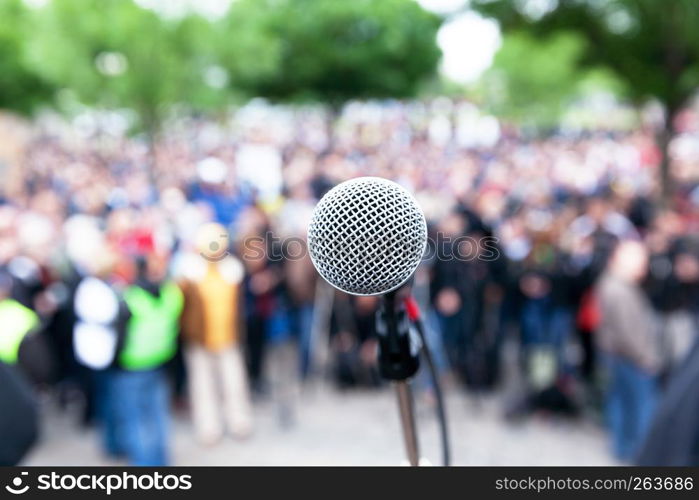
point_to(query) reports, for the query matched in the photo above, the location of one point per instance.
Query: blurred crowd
(140, 276)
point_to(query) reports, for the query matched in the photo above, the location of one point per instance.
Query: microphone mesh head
(367, 236)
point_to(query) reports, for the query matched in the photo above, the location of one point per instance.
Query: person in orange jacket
(218, 385)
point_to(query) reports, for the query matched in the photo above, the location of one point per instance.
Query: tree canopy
(21, 87)
(121, 54)
(534, 79)
(114, 53)
(333, 51)
(651, 46)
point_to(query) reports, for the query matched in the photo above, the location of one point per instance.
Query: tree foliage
(333, 50)
(121, 54)
(21, 87)
(114, 53)
(533, 80)
(652, 46)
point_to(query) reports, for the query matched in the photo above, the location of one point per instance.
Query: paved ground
(354, 428)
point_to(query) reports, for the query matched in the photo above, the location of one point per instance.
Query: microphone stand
(407, 420)
(398, 361)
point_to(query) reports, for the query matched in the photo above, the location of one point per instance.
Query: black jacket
(674, 435)
(19, 422)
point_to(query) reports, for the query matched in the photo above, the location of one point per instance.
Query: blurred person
(467, 297)
(138, 385)
(59, 330)
(673, 285)
(628, 341)
(281, 338)
(99, 322)
(420, 290)
(18, 324)
(262, 280)
(282, 363)
(299, 274)
(83, 353)
(128, 233)
(300, 288)
(601, 216)
(354, 341)
(445, 297)
(211, 329)
(215, 187)
(19, 420)
(681, 327)
(590, 240)
(27, 278)
(673, 437)
(547, 287)
(540, 283)
(272, 348)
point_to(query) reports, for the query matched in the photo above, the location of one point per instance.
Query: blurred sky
(468, 41)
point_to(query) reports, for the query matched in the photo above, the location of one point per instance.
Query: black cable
(441, 412)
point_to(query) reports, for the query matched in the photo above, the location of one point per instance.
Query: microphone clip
(399, 348)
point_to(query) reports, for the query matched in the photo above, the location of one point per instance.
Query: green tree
(533, 80)
(21, 88)
(114, 54)
(652, 46)
(331, 50)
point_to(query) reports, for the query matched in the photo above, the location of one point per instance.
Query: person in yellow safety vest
(16, 321)
(138, 386)
(151, 332)
(19, 419)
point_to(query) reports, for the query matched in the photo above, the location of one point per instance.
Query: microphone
(366, 237)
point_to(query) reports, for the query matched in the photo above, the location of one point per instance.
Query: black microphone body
(398, 351)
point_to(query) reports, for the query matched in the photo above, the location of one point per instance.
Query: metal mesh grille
(367, 236)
